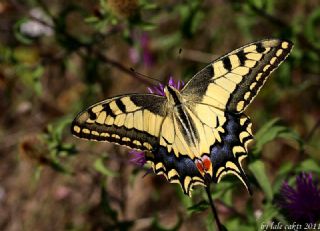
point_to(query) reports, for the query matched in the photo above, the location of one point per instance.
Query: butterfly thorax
(173, 96)
(178, 111)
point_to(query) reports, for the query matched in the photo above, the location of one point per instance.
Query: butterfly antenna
(138, 74)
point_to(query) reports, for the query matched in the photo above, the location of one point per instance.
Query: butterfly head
(173, 95)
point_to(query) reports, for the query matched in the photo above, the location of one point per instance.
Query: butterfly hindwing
(131, 120)
(180, 170)
(226, 156)
(232, 81)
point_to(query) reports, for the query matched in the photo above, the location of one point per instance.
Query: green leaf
(233, 223)
(285, 168)
(284, 74)
(268, 132)
(308, 165)
(210, 223)
(199, 207)
(227, 198)
(20, 36)
(146, 26)
(58, 167)
(312, 25)
(101, 168)
(31, 76)
(191, 17)
(269, 212)
(54, 138)
(105, 203)
(271, 131)
(282, 174)
(91, 19)
(184, 200)
(148, 6)
(159, 227)
(222, 187)
(259, 171)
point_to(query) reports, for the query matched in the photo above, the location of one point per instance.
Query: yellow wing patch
(131, 120)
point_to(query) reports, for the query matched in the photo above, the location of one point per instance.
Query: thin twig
(309, 136)
(213, 209)
(101, 56)
(122, 68)
(23, 10)
(45, 8)
(267, 16)
(312, 131)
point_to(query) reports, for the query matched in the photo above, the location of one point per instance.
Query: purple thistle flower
(137, 157)
(302, 203)
(134, 55)
(159, 90)
(141, 52)
(146, 52)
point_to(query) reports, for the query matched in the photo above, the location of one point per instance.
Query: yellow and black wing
(132, 120)
(232, 81)
(229, 85)
(213, 101)
(225, 154)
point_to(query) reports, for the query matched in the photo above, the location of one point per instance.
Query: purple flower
(142, 51)
(302, 203)
(146, 52)
(159, 90)
(137, 157)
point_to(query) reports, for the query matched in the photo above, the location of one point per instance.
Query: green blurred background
(57, 57)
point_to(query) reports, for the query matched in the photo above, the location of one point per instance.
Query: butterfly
(195, 135)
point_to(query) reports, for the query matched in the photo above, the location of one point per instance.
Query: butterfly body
(195, 135)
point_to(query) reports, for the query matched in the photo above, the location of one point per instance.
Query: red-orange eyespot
(199, 166)
(206, 163)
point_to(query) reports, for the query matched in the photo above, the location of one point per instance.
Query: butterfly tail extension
(245, 180)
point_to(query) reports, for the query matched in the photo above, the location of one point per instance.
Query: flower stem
(213, 209)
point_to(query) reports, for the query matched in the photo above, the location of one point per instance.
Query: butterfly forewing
(232, 81)
(131, 120)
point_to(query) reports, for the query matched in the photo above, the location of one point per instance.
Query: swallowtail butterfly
(195, 135)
